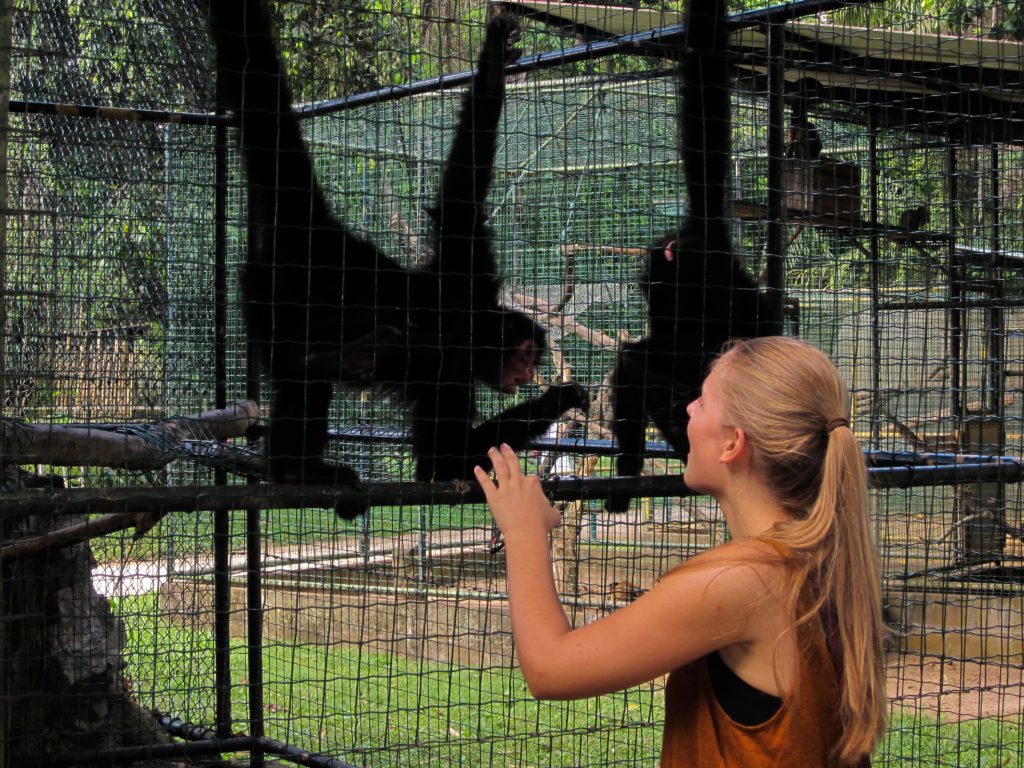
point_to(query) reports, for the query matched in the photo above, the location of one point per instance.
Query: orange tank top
(801, 734)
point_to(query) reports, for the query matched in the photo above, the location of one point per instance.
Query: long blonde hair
(789, 399)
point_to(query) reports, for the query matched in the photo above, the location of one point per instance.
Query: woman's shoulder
(740, 586)
(758, 563)
(752, 551)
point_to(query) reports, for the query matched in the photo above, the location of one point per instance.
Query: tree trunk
(61, 657)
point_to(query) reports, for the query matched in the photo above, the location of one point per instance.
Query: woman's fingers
(501, 470)
(506, 464)
(485, 482)
(511, 460)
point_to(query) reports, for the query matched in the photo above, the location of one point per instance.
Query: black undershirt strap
(741, 701)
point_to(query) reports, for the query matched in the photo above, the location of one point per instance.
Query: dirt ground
(956, 690)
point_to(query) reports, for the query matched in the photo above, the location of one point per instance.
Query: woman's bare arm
(709, 604)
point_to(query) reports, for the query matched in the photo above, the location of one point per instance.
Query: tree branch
(129, 447)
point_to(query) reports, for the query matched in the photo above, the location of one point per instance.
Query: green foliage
(986, 18)
(362, 45)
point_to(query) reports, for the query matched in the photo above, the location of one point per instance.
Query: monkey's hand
(569, 395)
(500, 45)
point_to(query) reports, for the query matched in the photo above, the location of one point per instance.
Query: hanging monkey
(698, 293)
(324, 305)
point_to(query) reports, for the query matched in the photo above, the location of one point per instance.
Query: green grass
(925, 741)
(189, 533)
(387, 710)
(376, 709)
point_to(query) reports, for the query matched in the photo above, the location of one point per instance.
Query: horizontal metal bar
(650, 42)
(658, 449)
(298, 756)
(589, 446)
(966, 303)
(125, 114)
(161, 500)
(915, 458)
(1007, 471)
(559, 488)
(658, 41)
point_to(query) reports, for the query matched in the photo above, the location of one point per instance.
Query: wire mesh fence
(386, 640)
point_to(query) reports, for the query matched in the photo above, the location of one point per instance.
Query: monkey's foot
(618, 501)
(321, 473)
(346, 477)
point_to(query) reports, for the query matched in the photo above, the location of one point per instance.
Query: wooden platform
(748, 210)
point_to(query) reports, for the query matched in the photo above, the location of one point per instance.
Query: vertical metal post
(981, 506)
(6, 13)
(956, 296)
(997, 319)
(171, 267)
(875, 276)
(977, 511)
(253, 566)
(220, 276)
(776, 235)
(221, 518)
(254, 629)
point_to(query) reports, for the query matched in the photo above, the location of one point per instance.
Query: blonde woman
(772, 642)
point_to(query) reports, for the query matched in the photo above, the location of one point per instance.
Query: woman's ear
(735, 445)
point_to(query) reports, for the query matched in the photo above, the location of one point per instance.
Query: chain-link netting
(386, 640)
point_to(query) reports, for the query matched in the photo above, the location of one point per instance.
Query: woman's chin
(692, 481)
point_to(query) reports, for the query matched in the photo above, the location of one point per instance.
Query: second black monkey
(324, 305)
(698, 294)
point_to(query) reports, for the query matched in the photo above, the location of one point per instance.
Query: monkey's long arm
(462, 236)
(704, 110)
(449, 450)
(691, 277)
(281, 178)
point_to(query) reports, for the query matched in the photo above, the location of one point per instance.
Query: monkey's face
(517, 367)
(663, 264)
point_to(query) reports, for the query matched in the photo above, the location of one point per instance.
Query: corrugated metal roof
(967, 89)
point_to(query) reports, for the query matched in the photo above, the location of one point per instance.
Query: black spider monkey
(914, 219)
(325, 306)
(698, 294)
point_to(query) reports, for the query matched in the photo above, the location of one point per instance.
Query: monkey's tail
(704, 105)
(251, 82)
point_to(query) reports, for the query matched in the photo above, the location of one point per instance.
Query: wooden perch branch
(76, 534)
(224, 423)
(617, 250)
(547, 314)
(22, 443)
